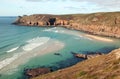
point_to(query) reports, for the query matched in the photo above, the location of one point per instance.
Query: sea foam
(69, 32)
(7, 61)
(51, 29)
(32, 44)
(35, 42)
(55, 30)
(17, 59)
(13, 49)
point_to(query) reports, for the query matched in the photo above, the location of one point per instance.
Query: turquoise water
(24, 47)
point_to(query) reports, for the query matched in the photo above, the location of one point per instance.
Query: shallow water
(29, 47)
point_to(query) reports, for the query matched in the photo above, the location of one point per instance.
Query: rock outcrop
(41, 20)
(37, 71)
(101, 67)
(106, 24)
(87, 56)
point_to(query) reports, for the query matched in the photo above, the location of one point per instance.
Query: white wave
(54, 30)
(47, 30)
(13, 49)
(57, 30)
(7, 61)
(51, 29)
(35, 42)
(9, 64)
(17, 59)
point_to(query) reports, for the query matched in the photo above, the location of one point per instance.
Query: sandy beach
(99, 38)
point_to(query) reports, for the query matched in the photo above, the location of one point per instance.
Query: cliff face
(43, 20)
(100, 67)
(106, 24)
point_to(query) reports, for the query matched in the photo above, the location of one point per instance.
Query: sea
(25, 47)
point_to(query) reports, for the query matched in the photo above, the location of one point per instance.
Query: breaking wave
(55, 29)
(51, 29)
(7, 61)
(69, 32)
(26, 53)
(13, 49)
(35, 42)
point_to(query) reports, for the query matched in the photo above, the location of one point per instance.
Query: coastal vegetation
(100, 67)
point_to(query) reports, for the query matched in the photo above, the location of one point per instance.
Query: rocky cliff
(100, 67)
(106, 24)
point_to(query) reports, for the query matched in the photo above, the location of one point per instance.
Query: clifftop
(106, 24)
(101, 67)
(107, 19)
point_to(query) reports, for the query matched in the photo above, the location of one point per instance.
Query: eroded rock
(105, 24)
(37, 71)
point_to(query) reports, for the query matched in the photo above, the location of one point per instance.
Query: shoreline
(91, 32)
(84, 69)
(99, 38)
(94, 23)
(25, 56)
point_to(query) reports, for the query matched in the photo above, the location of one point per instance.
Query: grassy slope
(107, 18)
(102, 67)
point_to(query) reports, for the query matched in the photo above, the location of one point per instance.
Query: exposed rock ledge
(101, 67)
(37, 71)
(87, 56)
(105, 24)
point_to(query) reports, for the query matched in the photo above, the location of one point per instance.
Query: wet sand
(99, 38)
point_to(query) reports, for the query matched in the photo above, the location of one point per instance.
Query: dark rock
(37, 71)
(87, 56)
(57, 54)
